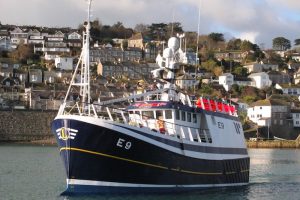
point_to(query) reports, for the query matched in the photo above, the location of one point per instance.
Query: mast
(85, 64)
(85, 105)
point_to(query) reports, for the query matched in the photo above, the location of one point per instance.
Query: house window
(33, 78)
(297, 115)
(297, 122)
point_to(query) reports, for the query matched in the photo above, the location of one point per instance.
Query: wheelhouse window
(194, 118)
(168, 114)
(182, 115)
(189, 117)
(159, 114)
(148, 114)
(177, 115)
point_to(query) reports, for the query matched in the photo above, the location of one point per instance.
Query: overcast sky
(256, 20)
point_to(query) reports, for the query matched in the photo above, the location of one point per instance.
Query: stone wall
(25, 125)
(275, 144)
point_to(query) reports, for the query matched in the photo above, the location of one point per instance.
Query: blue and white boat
(161, 142)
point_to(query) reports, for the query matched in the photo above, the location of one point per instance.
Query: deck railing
(137, 120)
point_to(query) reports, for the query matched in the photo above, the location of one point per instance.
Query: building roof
(136, 36)
(240, 78)
(269, 102)
(277, 73)
(295, 110)
(227, 74)
(257, 74)
(288, 86)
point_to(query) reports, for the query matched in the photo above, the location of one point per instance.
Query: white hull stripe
(115, 184)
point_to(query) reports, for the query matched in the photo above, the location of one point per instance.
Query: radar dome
(173, 43)
(168, 53)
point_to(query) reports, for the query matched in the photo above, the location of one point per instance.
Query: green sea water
(36, 172)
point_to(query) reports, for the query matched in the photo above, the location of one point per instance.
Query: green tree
(206, 89)
(249, 99)
(158, 31)
(209, 65)
(174, 28)
(281, 43)
(297, 41)
(141, 28)
(247, 45)
(217, 37)
(234, 44)
(240, 71)
(22, 53)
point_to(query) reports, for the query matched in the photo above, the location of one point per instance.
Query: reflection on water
(34, 172)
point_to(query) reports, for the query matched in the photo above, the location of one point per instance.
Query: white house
(268, 112)
(35, 76)
(296, 56)
(259, 67)
(74, 36)
(34, 32)
(17, 36)
(36, 39)
(242, 81)
(5, 44)
(226, 80)
(64, 63)
(296, 117)
(289, 89)
(260, 80)
(186, 82)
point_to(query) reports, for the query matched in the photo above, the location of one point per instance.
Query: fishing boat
(160, 141)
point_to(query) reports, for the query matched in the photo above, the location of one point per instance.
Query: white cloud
(250, 36)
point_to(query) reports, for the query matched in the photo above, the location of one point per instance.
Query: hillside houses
(119, 63)
(267, 112)
(115, 54)
(258, 80)
(237, 56)
(126, 69)
(260, 67)
(279, 77)
(296, 117)
(277, 115)
(289, 89)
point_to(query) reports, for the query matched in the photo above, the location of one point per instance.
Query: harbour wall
(25, 125)
(274, 144)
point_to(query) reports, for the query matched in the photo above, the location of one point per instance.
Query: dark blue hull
(102, 160)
